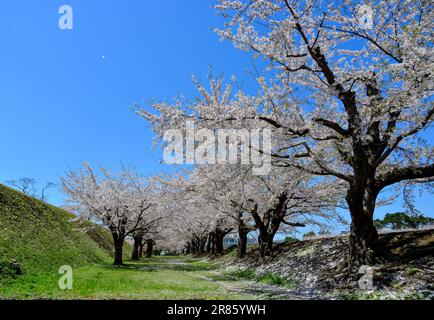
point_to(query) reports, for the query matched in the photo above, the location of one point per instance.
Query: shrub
(291, 239)
(273, 279)
(244, 274)
(401, 220)
(10, 268)
(309, 234)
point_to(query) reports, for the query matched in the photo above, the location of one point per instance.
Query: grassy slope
(42, 237)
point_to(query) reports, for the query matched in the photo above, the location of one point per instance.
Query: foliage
(9, 268)
(270, 278)
(309, 234)
(273, 279)
(401, 220)
(291, 239)
(246, 273)
(120, 201)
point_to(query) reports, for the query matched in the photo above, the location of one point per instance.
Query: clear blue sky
(61, 102)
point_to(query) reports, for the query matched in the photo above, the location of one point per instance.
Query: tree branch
(402, 174)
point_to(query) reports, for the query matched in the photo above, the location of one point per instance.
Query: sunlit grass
(154, 278)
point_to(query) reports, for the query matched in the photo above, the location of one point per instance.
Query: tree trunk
(276, 221)
(136, 248)
(363, 234)
(269, 224)
(363, 240)
(266, 237)
(210, 244)
(119, 243)
(266, 240)
(270, 240)
(219, 247)
(263, 244)
(243, 231)
(194, 247)
(149, 248)
(242, 241)
(141, 249)
(202, 243)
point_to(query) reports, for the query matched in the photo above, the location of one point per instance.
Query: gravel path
(252, 288)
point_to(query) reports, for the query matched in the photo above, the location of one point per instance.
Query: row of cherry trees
(211, 201)
(348, 103)
(346, 86)
(192, 211)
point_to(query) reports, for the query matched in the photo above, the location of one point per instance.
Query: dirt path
(252, 288)
(205, 270)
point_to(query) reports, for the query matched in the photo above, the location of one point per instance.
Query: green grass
(273, 279)
(177, 263)
(268, 278)
(247, 274)
(411, 270)
(41, 237)
(152, 278)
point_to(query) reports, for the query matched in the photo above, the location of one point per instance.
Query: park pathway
(206, 270)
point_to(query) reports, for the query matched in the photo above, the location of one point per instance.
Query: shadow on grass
(154, 264)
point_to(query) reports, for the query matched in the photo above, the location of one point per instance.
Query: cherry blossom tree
(364, 84)
(151, 226)
(284, 196)
(286, 200)
(121, 202)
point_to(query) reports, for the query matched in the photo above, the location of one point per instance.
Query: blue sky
(61, 102)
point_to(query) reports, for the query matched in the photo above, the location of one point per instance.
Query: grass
(41, 237)
(273, 279)
(153, 278)
(267, 278)
(411, 270)
(247, 274)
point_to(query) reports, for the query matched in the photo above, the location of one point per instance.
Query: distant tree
(309, 234)
(290, 239)
(28, 186)
(149, 247)
(401, 220)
